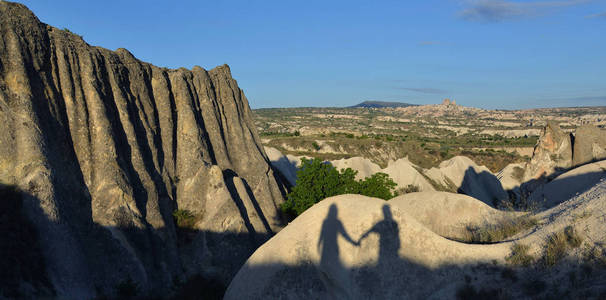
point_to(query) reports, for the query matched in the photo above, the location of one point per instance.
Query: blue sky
(483, 53)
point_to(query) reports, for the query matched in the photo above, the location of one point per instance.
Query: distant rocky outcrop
(448, 102)
(104, 147)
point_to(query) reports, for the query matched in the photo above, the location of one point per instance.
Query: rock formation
(356, 247)
(470, 179)
(402, 171)
(287, 165)
(405, 173)
(568, 184)
(105, 147)
(364, 166)
(511, 176)
(557, 152)
(589, 145)
(448, 102)
(552, 154)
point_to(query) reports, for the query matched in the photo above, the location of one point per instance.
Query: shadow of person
(389, 238)
(332, 272)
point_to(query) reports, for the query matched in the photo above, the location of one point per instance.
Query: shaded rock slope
(105, 147)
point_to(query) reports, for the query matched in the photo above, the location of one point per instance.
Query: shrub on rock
(317, 180)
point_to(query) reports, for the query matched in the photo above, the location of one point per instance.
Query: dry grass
(519, 255)
(580, 216)
(491, 233)
(411, 188)
(558, 244)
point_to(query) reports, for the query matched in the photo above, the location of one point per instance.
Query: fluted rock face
(105, 147)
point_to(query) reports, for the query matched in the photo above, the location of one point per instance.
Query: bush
(558, 244)
(499, 231)
(411, 188)
(317, 180)
(379, 185)
(184, 218)
(519, 255)
(315, 145)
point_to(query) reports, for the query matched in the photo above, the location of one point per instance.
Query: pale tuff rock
(557, 152)
(552, 154)
(589, 145)
(357, 247)
(108, 147)
(470, 179)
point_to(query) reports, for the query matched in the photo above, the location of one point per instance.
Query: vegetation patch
(519, 255)
(518, 173)
(411, 188)
(317, 180)
(184, 218)
(185, 221)
(558, 245)
(491, 233)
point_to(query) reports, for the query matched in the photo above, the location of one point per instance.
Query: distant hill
(381, 104)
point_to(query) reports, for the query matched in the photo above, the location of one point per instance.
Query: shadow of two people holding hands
(387, 229)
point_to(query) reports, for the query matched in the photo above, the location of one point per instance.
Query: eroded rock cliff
(552, 154)
(105, 148)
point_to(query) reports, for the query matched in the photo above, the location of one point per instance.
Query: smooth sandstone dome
(405, 173)
(449, 214)
(357, 247)
(317, 256)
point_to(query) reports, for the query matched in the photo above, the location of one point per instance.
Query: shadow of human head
(387, 212)
(332, 211)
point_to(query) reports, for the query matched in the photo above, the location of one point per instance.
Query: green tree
(379, 185)
(317, 180)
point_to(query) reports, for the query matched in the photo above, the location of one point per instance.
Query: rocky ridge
(103, 148)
